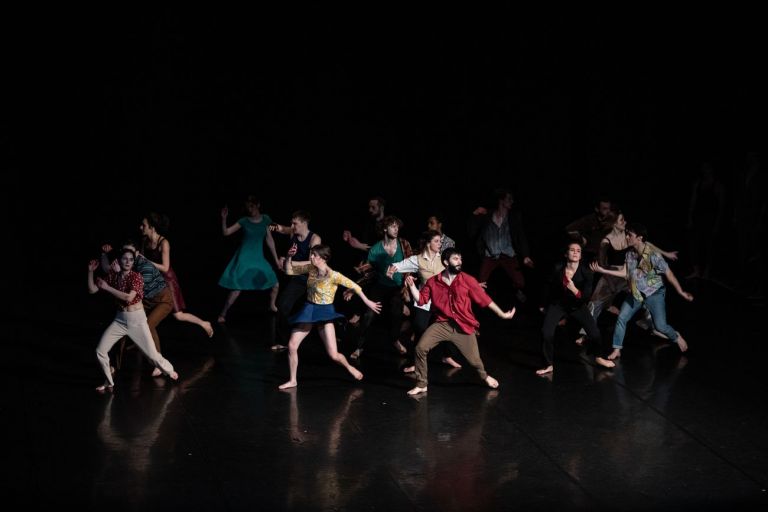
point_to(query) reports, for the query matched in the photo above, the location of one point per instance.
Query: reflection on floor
(660, 431)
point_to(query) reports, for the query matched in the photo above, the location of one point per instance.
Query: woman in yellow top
(322, 283)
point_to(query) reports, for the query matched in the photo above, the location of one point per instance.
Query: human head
(155, 222)
(636, 232)
(432, 239)
(603, 207)
(503, 198)
(451, 258)
(376, 206)
(321, 251)
(435, 223)
(126, 257)
(573, 252)
(390, 225)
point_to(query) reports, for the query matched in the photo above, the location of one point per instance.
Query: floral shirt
(645, 271)
(322, 290)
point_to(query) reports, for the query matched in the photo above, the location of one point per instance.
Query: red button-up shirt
(454, 302)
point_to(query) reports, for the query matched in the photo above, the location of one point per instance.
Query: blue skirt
(312, 313)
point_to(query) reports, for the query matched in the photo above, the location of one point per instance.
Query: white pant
(134, 325)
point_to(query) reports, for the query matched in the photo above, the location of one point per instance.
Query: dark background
(185, 111)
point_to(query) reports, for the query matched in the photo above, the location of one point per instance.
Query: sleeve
(477, 294)
(295, 270)
(242, 221)
(587, 278)
(448, 242)
(425, 294)
(342, 280)
(659, 263)
(137, 284)
(407, 265)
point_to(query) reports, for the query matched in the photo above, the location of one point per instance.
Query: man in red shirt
(452, 293)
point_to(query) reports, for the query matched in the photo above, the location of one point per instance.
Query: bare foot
(104, 388)
(174, 375)
(613, 309)
(544, 371)
(208, 329)
(277, 347)
(492, 383)
(409, 369)
(451, 362)
(579, 341)
(682, 344)
(417, 391)
(156, 372)
(615, 354)
(356, 354)
(221, 319)
(288, 385)
(357, 374)
(112, 370)
(354, 320)
(400, 348)
(605, 362)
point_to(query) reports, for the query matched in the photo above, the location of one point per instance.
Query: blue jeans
(656, 304)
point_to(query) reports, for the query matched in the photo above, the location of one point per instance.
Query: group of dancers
(428, 291)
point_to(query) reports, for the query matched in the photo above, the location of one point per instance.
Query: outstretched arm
(621, 272)
(226, 231)
(504, 315)
(676, 285)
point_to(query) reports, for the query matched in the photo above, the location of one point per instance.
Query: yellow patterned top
(321, 290)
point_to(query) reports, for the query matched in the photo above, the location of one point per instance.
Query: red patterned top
(131, 281)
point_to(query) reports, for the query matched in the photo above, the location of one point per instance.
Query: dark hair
(159, 221)
(570, 243)
(501, 193)
(427, 237)
(253, 200)
(321, 250)
(638, 229)
(387, 221)
(380, 200)
(447, 253)
(124, 250)
(302, 215)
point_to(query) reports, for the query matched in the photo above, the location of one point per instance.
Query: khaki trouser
(446, 331)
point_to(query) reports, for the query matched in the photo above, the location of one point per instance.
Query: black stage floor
(663, 431)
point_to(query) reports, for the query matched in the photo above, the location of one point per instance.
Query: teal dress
(249, 269)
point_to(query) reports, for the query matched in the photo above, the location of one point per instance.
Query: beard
(454, 269)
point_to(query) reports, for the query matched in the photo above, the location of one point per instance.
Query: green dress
(249, 269)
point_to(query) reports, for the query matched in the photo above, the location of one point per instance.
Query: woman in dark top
(569, 292)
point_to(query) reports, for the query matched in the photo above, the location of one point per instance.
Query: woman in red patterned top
(127, 287)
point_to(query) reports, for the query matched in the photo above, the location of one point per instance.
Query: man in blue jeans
(645, 268)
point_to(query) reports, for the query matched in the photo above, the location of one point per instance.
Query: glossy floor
(662, 431)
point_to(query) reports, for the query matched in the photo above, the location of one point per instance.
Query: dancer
(157, 249)
(427, 264)
(248, 269)
(644, 267)
(322, 283)
(570, 289)
(127, 287)
(295, 287)
(452, 293)
(157, 300)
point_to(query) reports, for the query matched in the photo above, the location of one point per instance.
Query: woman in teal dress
(249, 269)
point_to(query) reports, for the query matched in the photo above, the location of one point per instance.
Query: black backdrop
(185, 111)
